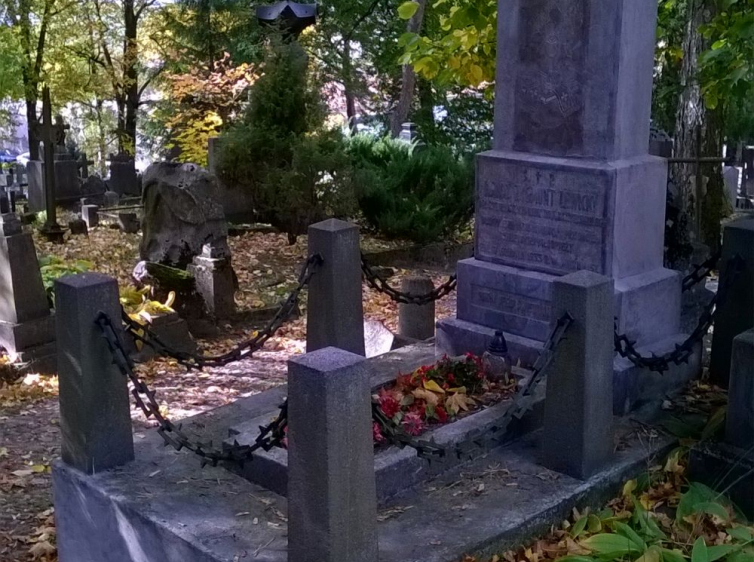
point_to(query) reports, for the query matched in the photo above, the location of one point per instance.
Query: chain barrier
(269, 436)
(481, 441)
(682, 352)
(701, 271)
(379, 284)
(241, 351)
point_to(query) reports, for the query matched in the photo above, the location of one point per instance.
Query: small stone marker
(736, 313)
(90, 215)
(335, 315)
(213, 277)
(332, 498)
(111, 199)
(739, 429)
(95, 417)
(417, 321)
(78, 227)
(577, 438)
(128, 222)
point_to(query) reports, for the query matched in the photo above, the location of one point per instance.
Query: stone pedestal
(27, 328)
(213, 277)
(569, 185)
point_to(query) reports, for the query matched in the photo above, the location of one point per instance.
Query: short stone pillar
(417, 321)
(95, 418)
(735, 314)
(577, 438)
(332, 497)
(739, 429)
(90, 215)
(213, 278)
(129, 222)
(27, 328)
(335, 316)
(213, 154)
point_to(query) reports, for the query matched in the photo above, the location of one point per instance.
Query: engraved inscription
(550, 78)
(542, 220)
(516, 305)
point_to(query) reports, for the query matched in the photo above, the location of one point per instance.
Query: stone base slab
(727, 469)
(648, 305)
(164, 508)
(20, 337)
(632, 386)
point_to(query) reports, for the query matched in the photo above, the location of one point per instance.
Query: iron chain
(701, 271)
(241, 351)
(379, 284)
(682, 352)
(481, 441)
(270, 436)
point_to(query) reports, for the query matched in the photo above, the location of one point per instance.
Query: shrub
(293, 168)
(421, 195)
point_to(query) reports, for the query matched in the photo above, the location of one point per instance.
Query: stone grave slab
(163, 508)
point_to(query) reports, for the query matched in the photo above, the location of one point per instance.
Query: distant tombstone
(35, 186)
(111, 199)
(123, 178)
(93, 185)
(67, 184)
(78, 227)
(27, 328)
(660, 143)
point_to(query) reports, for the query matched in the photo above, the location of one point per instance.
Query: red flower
(451, 378)
(419, 409)
(442, 415)
(389, 405)
(377, 433)
(413, 424)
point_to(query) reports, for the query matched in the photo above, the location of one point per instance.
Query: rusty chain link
(244, 349)
(682, 352)
(701, 271)
(270, 436)
(379, 284)
(481, 441)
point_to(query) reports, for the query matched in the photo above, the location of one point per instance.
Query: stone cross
(51, 134)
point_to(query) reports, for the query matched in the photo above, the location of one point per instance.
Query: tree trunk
(408, 81)
(698, 133)
(130, 75)
(101, 138)
(348, 86)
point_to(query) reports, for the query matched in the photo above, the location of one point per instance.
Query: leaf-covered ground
(267, 269)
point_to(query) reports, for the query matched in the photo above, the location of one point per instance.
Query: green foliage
(403, 192)
(462, 52)
(53, 268)
(292, 167)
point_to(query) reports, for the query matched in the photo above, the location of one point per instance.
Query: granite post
(332, 498)
(577, 438)
(27, 328)
(735, 314)
(335, 313)
(417, 321)
(95, 417)
(569, 184)
(739, 429)
(213, 276)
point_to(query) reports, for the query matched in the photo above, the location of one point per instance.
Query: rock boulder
(181, 214)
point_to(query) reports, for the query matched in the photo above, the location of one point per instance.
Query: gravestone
(181, 215)
(213, 277)
(123, 178)
(67, 185)
(27, 328)
(569, 184)
(213, 154)
(732, 177)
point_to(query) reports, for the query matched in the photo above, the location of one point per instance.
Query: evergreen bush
(417, 193)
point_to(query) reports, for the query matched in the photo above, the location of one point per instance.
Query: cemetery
(473, 304)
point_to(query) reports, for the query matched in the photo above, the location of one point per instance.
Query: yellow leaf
(430, 397)
(433, 386)
(38, 468)
(629, 487)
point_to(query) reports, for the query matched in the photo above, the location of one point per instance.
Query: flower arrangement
(438, 394)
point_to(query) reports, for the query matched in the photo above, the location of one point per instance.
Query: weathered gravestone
(26, 325)
(181, 215)
(569, 185)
